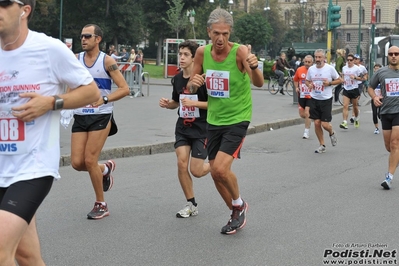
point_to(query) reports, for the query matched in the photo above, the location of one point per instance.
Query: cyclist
(303, 92)
(281, 66)
(350, 74)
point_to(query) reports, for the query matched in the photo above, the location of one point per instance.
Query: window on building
(311, 16)
(378, 15)
(348, 37)
(287, 17)
(349, 16)
(363, 15)
(323, 16)
(396, 16)
(361, 36)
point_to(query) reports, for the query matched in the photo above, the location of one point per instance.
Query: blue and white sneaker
(386, 184)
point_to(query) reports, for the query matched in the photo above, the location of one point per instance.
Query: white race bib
(188, 112)
(12, 136)
(217, 83)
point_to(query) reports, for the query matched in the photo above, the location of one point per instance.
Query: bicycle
(288, 85)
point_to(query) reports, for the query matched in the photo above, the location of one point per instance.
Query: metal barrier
(133, 73)
(144, 75)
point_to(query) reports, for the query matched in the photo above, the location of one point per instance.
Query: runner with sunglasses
(95, 122)
(388, 77)
(31, 82)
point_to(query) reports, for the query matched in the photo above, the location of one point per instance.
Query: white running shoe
(305, 135)
(376, 131)
(187, 211)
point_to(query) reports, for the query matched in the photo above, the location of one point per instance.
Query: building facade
(355, 21)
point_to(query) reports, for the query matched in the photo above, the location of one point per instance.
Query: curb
(132, 151)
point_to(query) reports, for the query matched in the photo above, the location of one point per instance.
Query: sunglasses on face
(393, 54)
(350, 59)
(87, 36)
(6, 3)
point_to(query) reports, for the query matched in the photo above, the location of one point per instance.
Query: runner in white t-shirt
(363, 77)
(31, 83)
(351, 75)
(320, 80)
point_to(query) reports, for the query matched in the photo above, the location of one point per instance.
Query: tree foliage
(130, 22)
(253, 29)
(177, 20)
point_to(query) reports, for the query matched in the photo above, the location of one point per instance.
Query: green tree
(177, 19)
(253, 29)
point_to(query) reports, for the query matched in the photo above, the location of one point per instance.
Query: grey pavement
(145, 128)
(301, 205)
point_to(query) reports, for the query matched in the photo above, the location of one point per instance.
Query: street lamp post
(267, 8)
(61, 5)
(303, 4)
(360, 29)
(191, 14)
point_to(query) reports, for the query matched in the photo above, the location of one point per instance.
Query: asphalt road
(301, 205)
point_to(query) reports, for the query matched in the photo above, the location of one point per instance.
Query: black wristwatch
(105, 99)
(58, 103)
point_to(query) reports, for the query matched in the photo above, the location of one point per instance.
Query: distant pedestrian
(340, 62)
(374, 109)
(190, 132)
(388, 77)
(320, 80)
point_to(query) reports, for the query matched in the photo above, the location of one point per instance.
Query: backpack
(274, 67)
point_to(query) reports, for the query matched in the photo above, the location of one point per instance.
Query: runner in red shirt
(303, 92)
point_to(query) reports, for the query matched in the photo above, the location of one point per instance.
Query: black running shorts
(198, 149)
(351, 94)
(227, 139)
(321, 110)
(389, 120)
(24, 197)
(86, 123)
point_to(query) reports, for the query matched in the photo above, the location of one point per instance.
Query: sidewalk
(145, 128)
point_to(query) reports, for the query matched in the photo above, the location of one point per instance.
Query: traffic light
(333, 17)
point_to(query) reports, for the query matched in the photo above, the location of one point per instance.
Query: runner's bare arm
(119, 80)
(196, 78)
(168, 104)
(250, 61)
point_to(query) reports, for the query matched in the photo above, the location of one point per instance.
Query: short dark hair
(191, 45)
(32, 4)
(350, 55)
(97, 30)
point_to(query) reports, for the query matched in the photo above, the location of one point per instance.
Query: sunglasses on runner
(87, 36)
(393, 54)
(6, 3)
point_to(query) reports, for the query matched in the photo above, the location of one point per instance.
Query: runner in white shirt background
(31, 87)
(351, 75)
(320, 80)
(364, 77)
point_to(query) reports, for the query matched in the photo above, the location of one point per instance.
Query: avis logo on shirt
(8, 147)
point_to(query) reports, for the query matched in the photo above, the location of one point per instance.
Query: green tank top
(229, 90)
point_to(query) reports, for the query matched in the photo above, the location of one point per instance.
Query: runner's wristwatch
(58, 103)
(105, 99)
